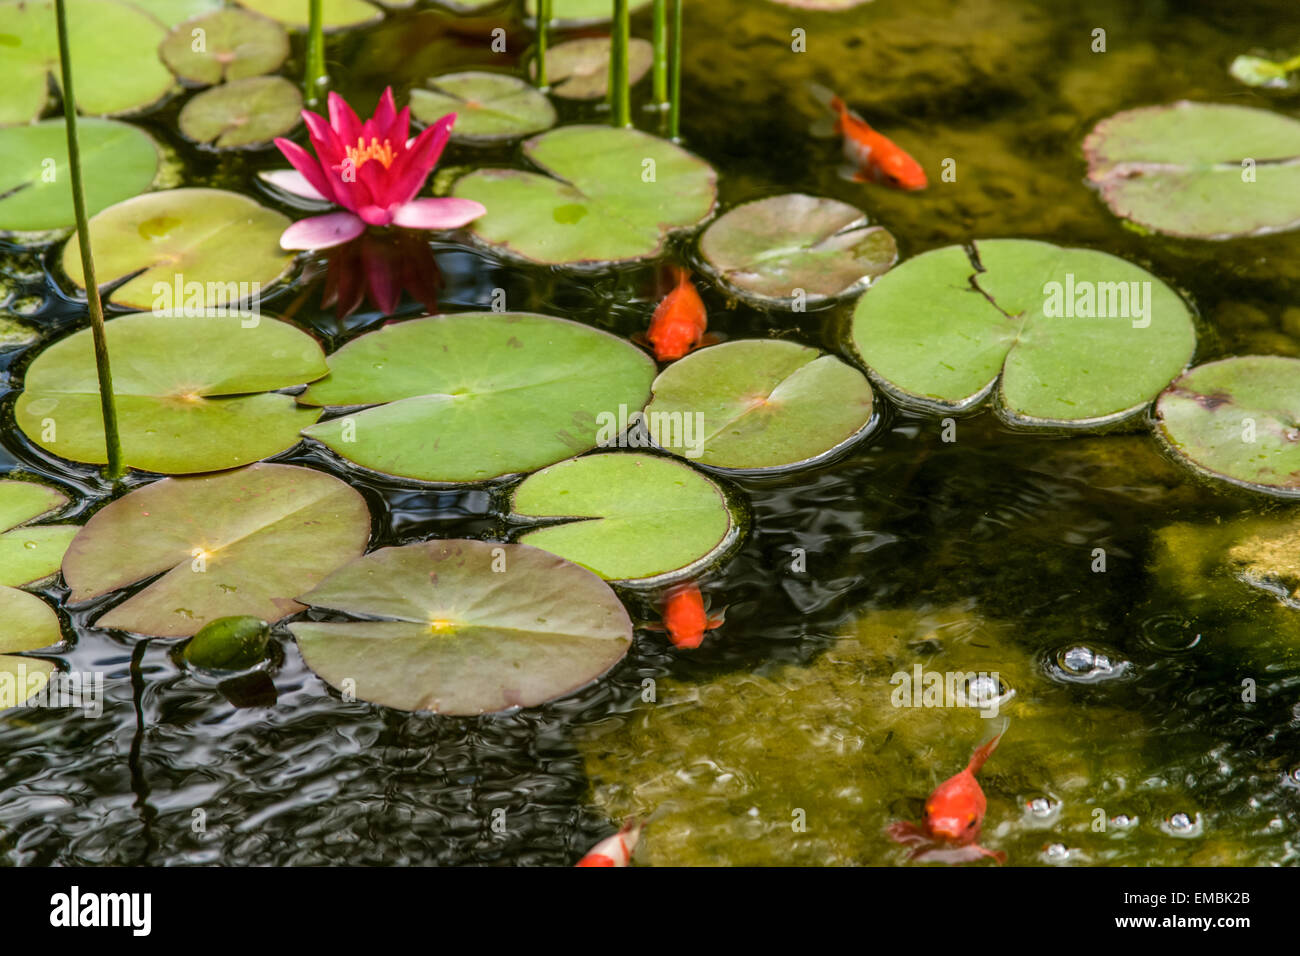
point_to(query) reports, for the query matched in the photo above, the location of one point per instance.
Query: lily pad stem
(675, 107)
(315, 80)
(112, 437)
(620, 98)
(661, 53)
(543, 27)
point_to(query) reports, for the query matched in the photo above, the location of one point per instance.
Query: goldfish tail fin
(824, 128)
(824, 96)
(631, 832)
(716, 619)
(985, 750)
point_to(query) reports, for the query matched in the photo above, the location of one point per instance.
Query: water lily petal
(445, 213)
(401, 129)
(376, 215)
(385, 114)
(412, 166)
(307, 166)
(322, 232)
(295, 183)
(343, 119)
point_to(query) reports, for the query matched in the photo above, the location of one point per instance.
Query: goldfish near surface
(685, 619)
(872, 157)
(615, 850)
(954, 813)
(679, 321)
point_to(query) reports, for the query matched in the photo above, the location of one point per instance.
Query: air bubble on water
(1087, 664)
(986, 690)
(30, 545)
(1057, 853)
(1170, 633)
(1122, 821)
(1043, 809)
(1182, 825)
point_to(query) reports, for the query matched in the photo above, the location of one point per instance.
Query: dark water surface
(1000, 526)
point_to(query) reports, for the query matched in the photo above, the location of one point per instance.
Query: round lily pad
(335, 14)
(1199, 170)
(239, 543)
(1237, 420)
(222, 244)
(1070, 338)
(772, 250)
(29, 625)
(113, 45)
(637, 518)
(171, 12)
(489, 107)
(118, 161)
(571, 13)
(612, 195)
(192, 394)
(229, 44)
(463, 627)
(478, 395)
(242, 113)
(757, 405)
(579, 69)
(31, 552)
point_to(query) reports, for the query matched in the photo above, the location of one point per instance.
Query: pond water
(977, 553)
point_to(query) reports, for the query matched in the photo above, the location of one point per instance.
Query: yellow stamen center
(360, 153)
(442, 625)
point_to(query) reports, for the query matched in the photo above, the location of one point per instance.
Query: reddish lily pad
(463, 627)
(579, 69)
(1237, 420)
(791, 249)
(226, 45)
(28, 552)
(239, 543)
(243, 113)
(1199, 170)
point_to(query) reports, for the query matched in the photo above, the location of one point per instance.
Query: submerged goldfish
(684, 616)
(615, 850)
(872, 157)
(679, 321)
(954, 814)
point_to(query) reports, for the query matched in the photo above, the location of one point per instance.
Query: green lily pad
(489, 107)
(945, 328)
(29, 625)
(770, 250)
(335, 14)
(464, 627)
(242, 113)
(579, 69)
(220, 242)
(571, 13)
(238, 543)
(469, 6)
(192, 394)
(613, 195)
(478, 395)
(1199, 170)
(117, 162)
(235, 45)
(229, 644)
(171, 12)
(103, 35)
(30, 553)
(1258, 71)
(648, 520)
(759, 404)
(1237, 420)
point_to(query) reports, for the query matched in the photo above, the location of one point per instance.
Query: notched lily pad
(759, 405)
(637, 519)
(31, 552)
(335, 14)
(1069, 338)
(489, 107)
(118, 161)
(29, 625)
(192, 394)
(1199, 170)
(574, 13)
(475, 396)
(227, 45)
(1237, 420)
(463, 627)
(220, 243)
(243, 113)
(613, 195)
(790, 249)
(579, 69)
(239, 543)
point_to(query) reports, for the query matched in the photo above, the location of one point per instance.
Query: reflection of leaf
(647, 517)
(464, 627)
(239, 543)
(489, 107)
(612, 195)
(32, 553)
(943, 329)
(761, 404)
(1237, 420)
(248, 112)
(474, 396)
(1200, 170)
(192, 394)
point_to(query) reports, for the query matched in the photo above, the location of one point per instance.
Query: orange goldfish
(954, 814)
(617, 849)
(679, 321)
(685, 619)
(872, 157)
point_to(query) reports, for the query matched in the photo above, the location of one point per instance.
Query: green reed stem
(543, 27)
(112, 437)
(620, 96)
(661, 53)
(314, 80)
(675, 103)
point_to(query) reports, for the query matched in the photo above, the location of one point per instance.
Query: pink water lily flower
(370, 169)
